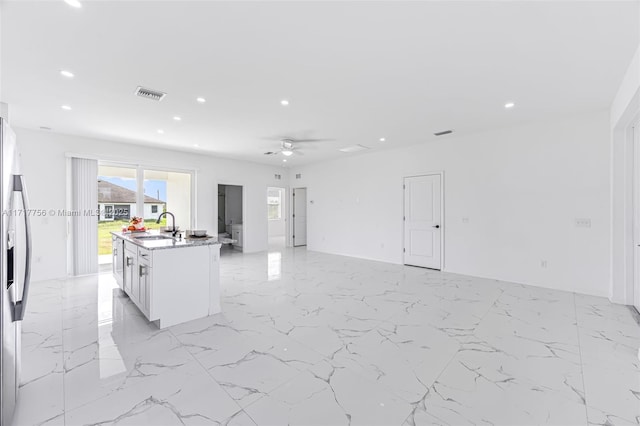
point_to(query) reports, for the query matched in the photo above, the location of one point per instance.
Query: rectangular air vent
(154, 95)
(298, 175)
(446, 132)
(354, 148)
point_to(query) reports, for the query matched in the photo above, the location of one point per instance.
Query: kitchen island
(171, 280)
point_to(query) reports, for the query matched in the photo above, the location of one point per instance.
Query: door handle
(20, 306)
(436, 226)
(141, 270)
(129, 260)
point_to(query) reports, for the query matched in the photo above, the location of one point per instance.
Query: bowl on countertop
(198, 233)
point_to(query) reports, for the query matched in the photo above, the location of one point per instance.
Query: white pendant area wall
(514, 200)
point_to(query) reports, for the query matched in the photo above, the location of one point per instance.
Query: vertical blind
(84, 222)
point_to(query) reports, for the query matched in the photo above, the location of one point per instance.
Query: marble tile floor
(315, 339)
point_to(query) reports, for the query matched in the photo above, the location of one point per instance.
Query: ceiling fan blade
(272, 153)
(311, 140)
(297, 152)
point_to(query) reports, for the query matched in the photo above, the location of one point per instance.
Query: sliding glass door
(117, 204)
(126, 192)
(166, 191)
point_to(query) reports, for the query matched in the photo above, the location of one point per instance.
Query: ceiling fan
(288, 146)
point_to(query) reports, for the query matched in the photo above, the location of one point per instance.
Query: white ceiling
(353, 71)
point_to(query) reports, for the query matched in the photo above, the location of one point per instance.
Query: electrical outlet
(465, 220)
(381, 245)
(543, 263)
(583, 222)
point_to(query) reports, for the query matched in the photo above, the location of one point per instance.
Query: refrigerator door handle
(21, 305)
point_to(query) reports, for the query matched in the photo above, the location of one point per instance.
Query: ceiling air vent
(354, 148)
(446, 132)
(154, 95)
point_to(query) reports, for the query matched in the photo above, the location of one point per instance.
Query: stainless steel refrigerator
(15, 265)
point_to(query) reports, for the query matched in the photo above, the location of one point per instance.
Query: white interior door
(423, 221)
(299, 217)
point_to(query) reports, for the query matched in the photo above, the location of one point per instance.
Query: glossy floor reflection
(310, 338)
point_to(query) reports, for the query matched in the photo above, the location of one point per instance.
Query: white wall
(179, 200)
(521, 189)
(44, 165)
(277, 227)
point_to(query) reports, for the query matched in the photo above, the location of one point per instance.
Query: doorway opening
(299, 214)
(230, 214)
(276, 217)
(423, 221)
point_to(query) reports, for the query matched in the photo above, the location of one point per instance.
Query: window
(154, 209)
(274, 203)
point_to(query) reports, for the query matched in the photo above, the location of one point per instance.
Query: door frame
(442, 219)
(292, 212)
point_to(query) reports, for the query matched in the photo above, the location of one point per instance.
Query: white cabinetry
(138, 276)
(117, 252)
(130, 259)
(173, 286)
(144, 283)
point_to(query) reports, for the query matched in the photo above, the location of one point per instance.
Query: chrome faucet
(173, 222)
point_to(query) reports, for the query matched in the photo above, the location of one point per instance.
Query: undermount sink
(154, 237)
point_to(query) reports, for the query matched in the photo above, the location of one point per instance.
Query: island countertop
(163, 243)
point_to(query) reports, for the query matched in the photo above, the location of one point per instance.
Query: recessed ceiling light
(284, 160)
(509, 105)
(383, 139)
(201, 100)
(161, 131)
(67, 74)
(284, 102)
(177, 118)
(66, 107)
(196, 145)
(73, 3)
